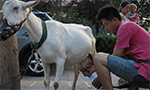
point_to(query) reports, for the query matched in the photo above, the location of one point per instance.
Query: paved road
(32, 83)
(83, 83)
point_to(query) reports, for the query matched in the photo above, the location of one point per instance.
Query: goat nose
(5, 30)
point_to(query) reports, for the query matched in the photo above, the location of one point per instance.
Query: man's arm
(118, 52)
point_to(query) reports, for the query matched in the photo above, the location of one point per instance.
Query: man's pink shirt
(136, 42)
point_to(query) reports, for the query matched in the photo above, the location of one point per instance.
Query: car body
(25, 52)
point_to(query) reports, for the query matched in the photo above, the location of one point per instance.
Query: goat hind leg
(76, 74)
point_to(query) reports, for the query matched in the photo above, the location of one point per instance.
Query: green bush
(105, 43)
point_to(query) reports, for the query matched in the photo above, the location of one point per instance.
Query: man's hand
(89, 69)
(96, 83)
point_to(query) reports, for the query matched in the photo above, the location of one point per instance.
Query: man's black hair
(108, 12)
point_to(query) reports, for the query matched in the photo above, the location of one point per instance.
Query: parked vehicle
(25, 52)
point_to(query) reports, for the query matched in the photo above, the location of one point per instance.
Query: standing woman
(124, 9)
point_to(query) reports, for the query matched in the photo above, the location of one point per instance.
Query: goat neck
(33, 26)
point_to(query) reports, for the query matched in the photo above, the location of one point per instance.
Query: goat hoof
(56, 85)
(45, 84)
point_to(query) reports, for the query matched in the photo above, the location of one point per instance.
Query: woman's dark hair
(123, 4)
(108, 12)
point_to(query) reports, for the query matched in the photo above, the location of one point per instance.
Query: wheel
(35, 66)
(122, 82)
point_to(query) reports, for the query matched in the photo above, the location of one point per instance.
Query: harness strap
(43, 38)
(137, 60)
(20, 24)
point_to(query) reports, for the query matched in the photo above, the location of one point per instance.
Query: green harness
(43, 38)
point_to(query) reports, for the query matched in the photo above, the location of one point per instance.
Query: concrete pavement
(83, 83)
(36, 83)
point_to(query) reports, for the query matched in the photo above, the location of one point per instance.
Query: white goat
(69, 44)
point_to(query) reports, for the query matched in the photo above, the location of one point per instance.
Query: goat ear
(30, 4)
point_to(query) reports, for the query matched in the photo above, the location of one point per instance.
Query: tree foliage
(84, 11)
(105, 43)
(143, 11)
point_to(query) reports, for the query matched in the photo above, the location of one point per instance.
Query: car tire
(35, 67)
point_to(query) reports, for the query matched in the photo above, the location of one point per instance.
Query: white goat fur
(65, 44)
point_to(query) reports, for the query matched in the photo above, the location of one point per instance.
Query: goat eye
(15, 8)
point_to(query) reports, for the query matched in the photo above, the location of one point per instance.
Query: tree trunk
(9, 63)
(1, 3)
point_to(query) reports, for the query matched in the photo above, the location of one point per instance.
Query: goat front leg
(46, 67)
(59, 71)
(76, 74)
